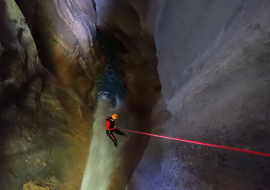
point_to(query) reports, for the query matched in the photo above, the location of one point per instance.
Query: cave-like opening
(111, 83)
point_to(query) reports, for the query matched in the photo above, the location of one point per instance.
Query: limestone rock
(32, 186)
(213, 66)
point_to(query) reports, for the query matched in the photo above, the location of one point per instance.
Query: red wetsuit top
(109, 124)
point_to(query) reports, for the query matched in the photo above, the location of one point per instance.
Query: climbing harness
(200, 143)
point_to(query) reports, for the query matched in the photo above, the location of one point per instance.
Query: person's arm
(107, 125)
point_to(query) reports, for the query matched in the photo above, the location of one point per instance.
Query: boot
(115, 144)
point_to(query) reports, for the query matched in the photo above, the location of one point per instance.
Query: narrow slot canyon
(189, 69)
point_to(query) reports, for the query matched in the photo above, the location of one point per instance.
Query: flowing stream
(103, 158)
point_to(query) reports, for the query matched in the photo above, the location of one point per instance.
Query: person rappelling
(111, 128)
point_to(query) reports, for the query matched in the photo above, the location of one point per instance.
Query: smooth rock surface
(213, 65)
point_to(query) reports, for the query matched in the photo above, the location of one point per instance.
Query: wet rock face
(64, 33)
(44, 118)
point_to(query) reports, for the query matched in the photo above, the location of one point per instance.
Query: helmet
(114, 116)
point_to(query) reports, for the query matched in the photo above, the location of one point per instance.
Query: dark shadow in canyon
(138, 103)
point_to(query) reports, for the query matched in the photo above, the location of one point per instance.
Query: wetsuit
(109, 124)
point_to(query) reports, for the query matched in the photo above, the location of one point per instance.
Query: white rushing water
(103, 158)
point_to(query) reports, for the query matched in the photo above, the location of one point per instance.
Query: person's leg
(114, 141)
(117, 131)
(112, 137)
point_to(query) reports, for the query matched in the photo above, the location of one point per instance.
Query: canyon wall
(213, 66)
(45, 123)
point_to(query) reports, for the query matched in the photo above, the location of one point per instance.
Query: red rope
(200, 143)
